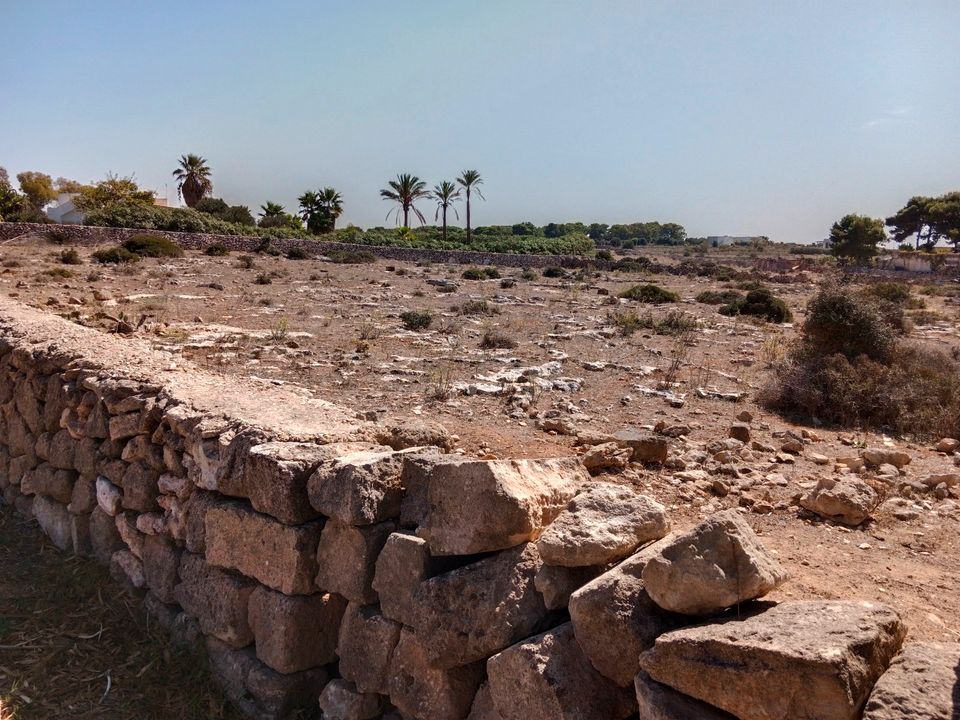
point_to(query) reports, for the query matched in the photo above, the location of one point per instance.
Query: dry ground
(335, 330)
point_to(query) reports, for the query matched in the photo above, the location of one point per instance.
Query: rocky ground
(571, 380)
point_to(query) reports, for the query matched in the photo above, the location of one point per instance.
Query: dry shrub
(851, 368)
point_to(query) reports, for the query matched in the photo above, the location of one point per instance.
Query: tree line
(928, 220)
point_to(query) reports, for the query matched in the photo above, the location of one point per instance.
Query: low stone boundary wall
(322, 558)
(93, 235)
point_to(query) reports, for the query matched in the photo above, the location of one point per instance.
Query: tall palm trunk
(468, 216)
(444, 224)
(406, 214)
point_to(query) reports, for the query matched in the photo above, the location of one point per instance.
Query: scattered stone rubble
(323, 559)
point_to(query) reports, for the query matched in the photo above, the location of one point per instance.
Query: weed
(649, 293)
(416, 319)
(263, 279)
(114, 256)
(154, 246)
(70, 257)
(349, 257)
(216, 250)
(494, 339)
(476, 307)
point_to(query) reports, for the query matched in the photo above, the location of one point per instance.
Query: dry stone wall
(322, 559)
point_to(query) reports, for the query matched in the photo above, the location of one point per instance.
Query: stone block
(294, 633)
(104, 536)
(346, 557)
(422, 690)
(361, 488)
(140, 487)
(557, 583)
(547, 677)
(54, 520)
(921, 684)
(279, 556)
(365, 646)
(83, 498)
(340, 700)
(218, 599)
(481, 506)
(109, 496)
(657, 701)
(161, 561)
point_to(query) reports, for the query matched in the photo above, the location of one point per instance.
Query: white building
(64, 211)
(721, 240)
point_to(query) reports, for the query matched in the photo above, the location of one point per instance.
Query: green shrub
(477, 307)
(349, 257)
(246, 262)
(263, 279)
(484, 273)
(508, 283)
(58, 235)
(297, 253)
(416, 319)
(554, 272)
(719, 297)
(70, 257)
(266, 247)
(890, 291)
(497, 340)
(216, 250)
(58, 272)
(529, 274)
(604, 255)
(649, 293)
(761, 304)
(841, 322)
(114, 256)
(154, 246)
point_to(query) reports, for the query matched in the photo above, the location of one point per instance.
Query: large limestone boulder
(647, 447)
(711, 567)
(848, 500)
(921, 684)
(470, 613)
(481, 506)
(657, 701)
(875, 457)
(615, 620)
(547, 677)
(603, 524)
(796, 661)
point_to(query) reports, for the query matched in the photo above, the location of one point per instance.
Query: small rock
(948, 445)
(875, 457)
(741, 432)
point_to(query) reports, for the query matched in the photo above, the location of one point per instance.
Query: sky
(733, 117)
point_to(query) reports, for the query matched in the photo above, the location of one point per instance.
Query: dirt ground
(336, 330)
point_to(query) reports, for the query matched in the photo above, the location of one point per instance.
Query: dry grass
(73, 644)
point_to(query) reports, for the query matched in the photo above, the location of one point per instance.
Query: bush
(70, 257)
(839, 322)
(263, 279)
(152, 246)
(246, 262)
(58, 235)
(528, 274)
(349, 257)
(497, 340)
(604, 255)
(719, 297)
(759, 303)
(508, 283)
(114, 256)
(477, 307)
(297, 253)
(485, 273)
(266, 247)
(58, 272)
(416, 319)
(890, 291)
(850, 368)
(216, 250)
(554, 272)
(649, 293)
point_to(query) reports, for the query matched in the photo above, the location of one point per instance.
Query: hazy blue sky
(727, 116)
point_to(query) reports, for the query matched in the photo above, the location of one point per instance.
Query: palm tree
(193, 177)
(446, 194)
(405, 191)
(470, 179)
(312, 211)
(333, 204)
(271, 209)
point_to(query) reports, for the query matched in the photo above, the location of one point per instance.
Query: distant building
(721, 240)
(64, 211)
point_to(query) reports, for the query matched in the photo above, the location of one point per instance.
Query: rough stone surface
(796, 661)
(647, 447)
(407, 433)
(923, 683)
(606, 456)
(294, 633)
(846, 500)
(548, 677)
(657, 701)
(400, 568)
(219, 600)
(481, 506)
(280, 556)
(104, 536)
(340, 700)
(274, 477)
(603, 524)
(557, 583)
(360, 488)
(615, 619)
(472, 612)
(55, 521)
(257, 690)
(346, 557)
(417, 471)
(421, 690)
(365, 646)
(161, 563)
(875, 457)
(717, 564)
